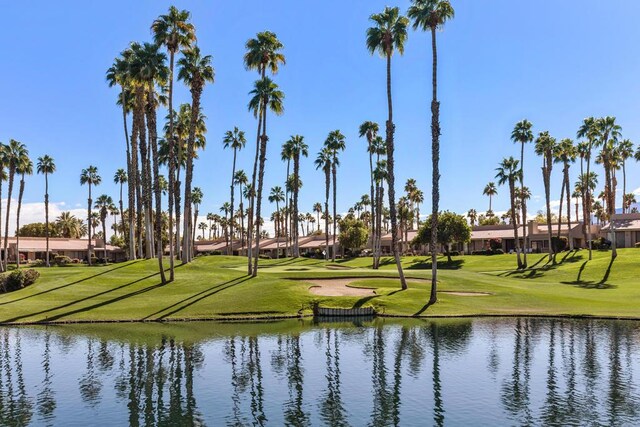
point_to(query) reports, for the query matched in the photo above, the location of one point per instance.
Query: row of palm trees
(603, 134)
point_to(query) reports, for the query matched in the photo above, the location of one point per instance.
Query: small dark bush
(215, 253)
(560, 244)
(495, 244)
(264, 256)
(454, 253)
(18, 279)
(498, 251)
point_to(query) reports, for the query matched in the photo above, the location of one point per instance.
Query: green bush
(18, 279)
(61, 260)
(559, 244)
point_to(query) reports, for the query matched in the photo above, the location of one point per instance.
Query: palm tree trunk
(20, 194)
(373, 202)
(172, 170)
(512, 196)
(130, 189)
(564, 184)
(524, 219)
(178, 210)
(567, 186)
(287, 206)
(6, 226)
(587, 207)
(624, 186)
(327, 182)
(134, 181)
(263, 155)
(3, 256)
(296, 172)
(390, 128)
(121, 210)
(89, 203)
(435, 177)
(196, 92)
(277, 230)
(233, 172)
(334, 173)
(153, 142)
(546, 176)
(252, 199)
(46, 216)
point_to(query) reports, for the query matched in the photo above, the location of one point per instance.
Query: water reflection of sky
(446, 372)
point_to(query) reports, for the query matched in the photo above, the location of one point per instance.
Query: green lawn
(216, 288)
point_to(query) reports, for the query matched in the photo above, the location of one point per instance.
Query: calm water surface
(446, 372)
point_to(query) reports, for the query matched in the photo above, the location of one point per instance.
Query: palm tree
(12, 155)
(195, 71)
(370, 130)
(70, 226)
(565, 153)
(261, 53)
(323, 161)
(509, 173)
(25, 167)
(473, 216)
(286, 155)
(389, 34)
(174, 31)
(103, 203)
(236, 141)
(240, 179)
(90, 177)
(120, 177)
(589, 130)
(608, 132)
(545, 147)
(203, 226)
(276, 196)
(430, 15)
(118, 74)
(523, 134)
(380, 176)
(46, 166)
(317, 208)
(226, 209)
(625, 150)
(335, 143)
(490, 190)
(265, 96)
(628, 200)
(196, 200)
(298, 148)
(410, 187)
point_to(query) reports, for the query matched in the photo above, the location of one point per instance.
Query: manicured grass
(216, 287)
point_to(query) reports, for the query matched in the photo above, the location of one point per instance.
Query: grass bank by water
(216, 288)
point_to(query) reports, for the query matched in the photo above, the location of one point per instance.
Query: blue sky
(499, 61)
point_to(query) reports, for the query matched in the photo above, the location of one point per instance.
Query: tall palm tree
(226, 209)
(323, 161)
(565, 153)
(196, 200)
(174, 31)
(589, 130)
(298, 148)
(13, 155)
(195, 71)
(90, 177)
(335, 142)
(46, 166)
(262, 53)
(545, 147)
(508, 172)
(25, 167)
(608, 132)
(430, 15)
(286, 155)
(369, 130)
(118, 74)
(120, 177)
(522, 134)
(317, 208)
(236, 141)
(103, 203)
(490, 190)
(625, 150)
(265, 96)
(388, 35)
(276, 196)
(380, 176)
(241, 179)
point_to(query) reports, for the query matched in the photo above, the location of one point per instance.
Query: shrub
(61, 260)
(559, 244)
(264, 256)
(18, 279)
(454, 253)
(498, 251)
(215, 253)
(38, 263)
(495, 244)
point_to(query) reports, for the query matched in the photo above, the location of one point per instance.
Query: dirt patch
(337, 288)
(465, 294)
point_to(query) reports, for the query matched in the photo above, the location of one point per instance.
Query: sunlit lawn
(216, 287)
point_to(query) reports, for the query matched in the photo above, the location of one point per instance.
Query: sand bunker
(337, 288)
(465, 294)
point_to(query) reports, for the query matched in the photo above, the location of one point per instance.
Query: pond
(515, 371)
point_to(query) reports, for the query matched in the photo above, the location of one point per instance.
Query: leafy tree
(39, 229)
(389, 34)
(353, 234)
(452, 228)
